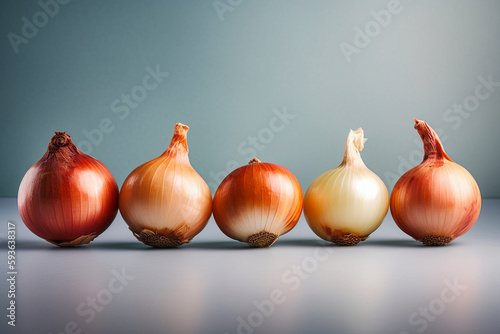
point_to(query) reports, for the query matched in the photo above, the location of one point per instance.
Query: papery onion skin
(346, 204)
(438, 200)
(165, 201)
(257, 203)
(68, 197)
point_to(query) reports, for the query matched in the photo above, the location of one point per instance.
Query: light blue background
(227, 76)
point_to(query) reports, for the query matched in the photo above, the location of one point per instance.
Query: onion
(68, 197)
(257, 203)
(346, 204)
(165, 201)
(438, 200)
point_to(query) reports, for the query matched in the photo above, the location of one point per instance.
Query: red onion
(68, 197)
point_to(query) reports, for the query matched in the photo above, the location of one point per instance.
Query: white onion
(346, 204)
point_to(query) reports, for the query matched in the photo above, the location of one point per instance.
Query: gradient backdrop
(283, 80)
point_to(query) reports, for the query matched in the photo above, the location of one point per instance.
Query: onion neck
(353, 145)
(178, 145)
(61, 146)
(433, 148)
